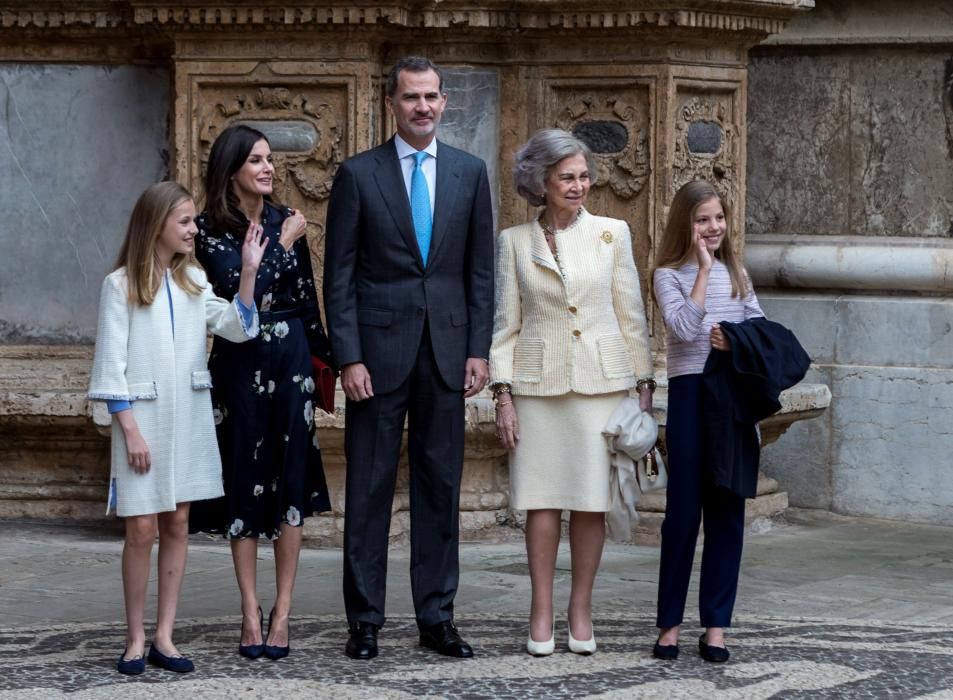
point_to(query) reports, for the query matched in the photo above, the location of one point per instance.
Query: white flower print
(308, 413)
(293, 516)
(259, 489)
(256, 385)
(271, 386)
(314, 440)
(297, 378)
(266, 302)
(307, 386)
(257, 445)
(274, 485)
(236, 529)
(281, 329)
(218, 416)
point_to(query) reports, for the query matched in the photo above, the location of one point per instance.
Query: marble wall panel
(78, 144)
(472, 118)
(891, 452)
(798, 145)
(902, 143)
(854, 141)
(867, 330)
(877, 449)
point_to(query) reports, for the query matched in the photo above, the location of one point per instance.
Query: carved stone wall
(850, 242)
(657, 88)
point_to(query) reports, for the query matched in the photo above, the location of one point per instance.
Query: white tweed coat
(578, 326)
(166, 377)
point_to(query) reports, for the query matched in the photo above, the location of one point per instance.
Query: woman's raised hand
(254, 247)
(292, 229)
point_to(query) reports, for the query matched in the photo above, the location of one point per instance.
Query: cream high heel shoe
(546, 648)
(584, 647)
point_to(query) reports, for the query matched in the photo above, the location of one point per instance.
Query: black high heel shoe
(274, 652)
(253, 651)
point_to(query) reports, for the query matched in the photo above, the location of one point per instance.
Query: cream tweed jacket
(576, 326)
(166, 377)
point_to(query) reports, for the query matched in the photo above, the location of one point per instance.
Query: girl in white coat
(155, 311)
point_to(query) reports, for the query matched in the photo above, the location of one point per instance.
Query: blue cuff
(248, 314)
(115, 406)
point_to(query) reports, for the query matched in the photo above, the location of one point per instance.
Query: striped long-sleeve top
(687, 325)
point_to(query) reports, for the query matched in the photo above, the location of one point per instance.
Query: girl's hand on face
(292, 229)
(254, 247)
(719, 340)
(701, 252)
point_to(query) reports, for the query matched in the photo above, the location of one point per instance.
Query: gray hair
(537, 157)
(414, 64)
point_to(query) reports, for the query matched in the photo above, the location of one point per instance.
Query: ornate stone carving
(626, 170)
(703, 155)
(765, 17)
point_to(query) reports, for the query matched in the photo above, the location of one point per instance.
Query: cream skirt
(562, 460)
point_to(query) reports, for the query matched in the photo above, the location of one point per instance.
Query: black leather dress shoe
(444, 639)
(717, 655)
(667, 652)
(362, 641)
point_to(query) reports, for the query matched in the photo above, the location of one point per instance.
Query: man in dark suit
(408, 290)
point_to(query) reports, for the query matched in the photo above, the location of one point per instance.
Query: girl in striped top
(699, 281)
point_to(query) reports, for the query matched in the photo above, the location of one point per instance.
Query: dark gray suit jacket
(377, 292)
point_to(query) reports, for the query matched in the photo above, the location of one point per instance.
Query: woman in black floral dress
(263, 390)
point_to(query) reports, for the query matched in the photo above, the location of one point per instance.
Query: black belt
(281, 315)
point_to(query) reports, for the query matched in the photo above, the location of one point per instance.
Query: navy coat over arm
(740, 388)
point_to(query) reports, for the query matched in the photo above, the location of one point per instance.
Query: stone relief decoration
(706, 143)
(305, 126)
(617, 135)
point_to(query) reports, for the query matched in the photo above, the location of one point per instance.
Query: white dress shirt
(405, 152)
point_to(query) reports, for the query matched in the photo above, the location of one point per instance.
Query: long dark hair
(228, 155)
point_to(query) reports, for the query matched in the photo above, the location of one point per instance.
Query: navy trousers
(690, 495)
(372, 443)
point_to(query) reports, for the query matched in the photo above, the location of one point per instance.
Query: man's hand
(356, 382)
(476, 377)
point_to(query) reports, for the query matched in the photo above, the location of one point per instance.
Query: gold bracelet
(642, 383)
(507, 403)
(499, 389)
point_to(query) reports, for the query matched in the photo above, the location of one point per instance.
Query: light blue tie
(420, 205)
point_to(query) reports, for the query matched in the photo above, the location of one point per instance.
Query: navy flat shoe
(716, 655)
(179, 664)
(131, 667)
(253, 651)
(666, 652)
(275, 652)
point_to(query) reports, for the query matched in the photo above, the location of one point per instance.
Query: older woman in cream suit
(570, 340)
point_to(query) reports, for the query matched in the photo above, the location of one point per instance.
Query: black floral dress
(263, 390)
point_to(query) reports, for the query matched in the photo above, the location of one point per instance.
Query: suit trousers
(435, 438)
(691, 494)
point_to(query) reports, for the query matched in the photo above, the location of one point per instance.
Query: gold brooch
(606, 236)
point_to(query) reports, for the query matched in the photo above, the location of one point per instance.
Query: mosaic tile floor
(771, 658)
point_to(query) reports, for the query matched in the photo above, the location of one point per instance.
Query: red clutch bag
(324, 381)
